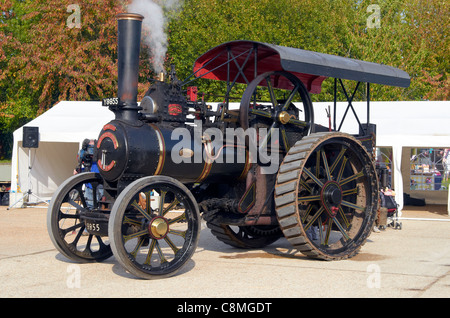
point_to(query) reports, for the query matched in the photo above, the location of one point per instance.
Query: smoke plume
(155, 23)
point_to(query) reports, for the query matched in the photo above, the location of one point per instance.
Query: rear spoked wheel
(256, 236)
(326, 196)
(154, 227)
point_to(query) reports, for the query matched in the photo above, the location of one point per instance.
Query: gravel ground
(411, 262)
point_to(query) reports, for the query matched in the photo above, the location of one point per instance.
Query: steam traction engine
(255, 173)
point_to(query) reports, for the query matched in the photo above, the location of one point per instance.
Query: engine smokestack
(129, 44)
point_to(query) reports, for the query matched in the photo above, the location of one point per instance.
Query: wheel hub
(158, 227)
(331, 196)
(284, 117)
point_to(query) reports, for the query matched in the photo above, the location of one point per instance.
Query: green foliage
(412, 36)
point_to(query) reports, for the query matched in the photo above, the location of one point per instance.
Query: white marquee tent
(400, 125)
(62, 130)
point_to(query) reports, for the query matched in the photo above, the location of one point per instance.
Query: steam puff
(155, 21)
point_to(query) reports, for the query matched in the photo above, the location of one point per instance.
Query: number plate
(112, 101)
(96, 228)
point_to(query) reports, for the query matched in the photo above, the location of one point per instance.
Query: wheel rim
(281, 114)
(67, 229)
(154, 227)
(330, 209)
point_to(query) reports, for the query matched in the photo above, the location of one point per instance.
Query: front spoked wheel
(154, 227)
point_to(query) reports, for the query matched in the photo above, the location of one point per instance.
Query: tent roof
(398, 123)
(310, 67)
(70, 121)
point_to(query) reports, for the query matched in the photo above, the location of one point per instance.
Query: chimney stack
(129, 43)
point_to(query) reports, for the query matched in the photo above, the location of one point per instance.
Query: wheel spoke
(318, 163)
(137, 206)
(76, 205)
(127, 220)
(160, 253)
(78, 236)
(338, 159)
(179, 233)
(314, 218)
(148, 260)
(298, 122)
(313, 177)
(284, 138)
(349, 192)
(341, 229)
(271, 92)
(262, 113)
(308, 198)
(171, 244)
(179, 218)
(308, 211)
(344, 218)
(306, 186)
(327, 234)
(170, 206)
(148, 200)
(94, 195)
(100, 242)
(137, 247)
(341, 170)
(291, 97)
(72, 228)
(68, 216)
(126, 238)
(162, 198)
(87, 249)
(263, 144)
(325, 164)
(352, 205)
(81, 196)
(351, 178)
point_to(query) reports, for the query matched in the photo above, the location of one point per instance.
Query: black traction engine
(255, 173)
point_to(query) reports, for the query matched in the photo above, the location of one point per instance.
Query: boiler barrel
(145, 150)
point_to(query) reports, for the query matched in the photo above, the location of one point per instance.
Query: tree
(412, 36)
(46, 57)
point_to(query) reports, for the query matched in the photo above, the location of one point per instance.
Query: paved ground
(412, 262)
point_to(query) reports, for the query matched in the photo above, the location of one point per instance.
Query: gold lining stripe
(208, 162)
(248, 164)
(162, 150)
(130, 16)
(252, 203)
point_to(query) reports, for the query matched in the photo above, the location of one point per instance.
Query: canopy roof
(225, 61)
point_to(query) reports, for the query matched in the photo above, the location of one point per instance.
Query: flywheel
(326, 195)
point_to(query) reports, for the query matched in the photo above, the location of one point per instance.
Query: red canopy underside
(267, 60)
(254, 58)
